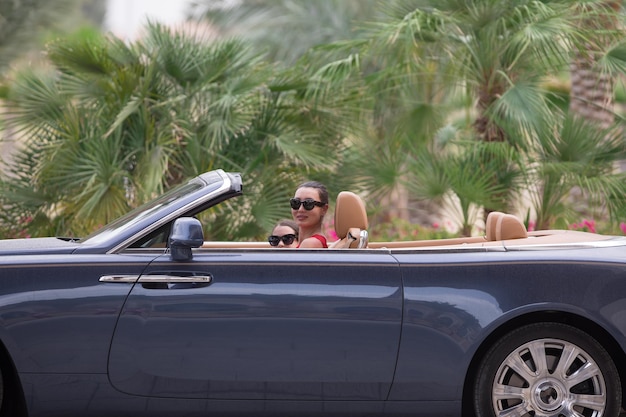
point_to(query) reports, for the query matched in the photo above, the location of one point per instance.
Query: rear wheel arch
(581, 323)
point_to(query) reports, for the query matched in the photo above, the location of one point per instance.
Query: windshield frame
(185, 198)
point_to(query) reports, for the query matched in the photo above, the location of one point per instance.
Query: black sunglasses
(287, 239)
(308, 203)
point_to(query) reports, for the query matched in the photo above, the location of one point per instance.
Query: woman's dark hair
(289, 223)
(321, 189)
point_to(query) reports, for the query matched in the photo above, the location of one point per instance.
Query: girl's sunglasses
(287, 239)
(308, 203)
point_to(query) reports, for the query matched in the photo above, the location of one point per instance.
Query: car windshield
(136, 215)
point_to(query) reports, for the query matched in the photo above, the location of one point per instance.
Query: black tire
(547, 369)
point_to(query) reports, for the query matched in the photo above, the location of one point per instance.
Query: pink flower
(435, 225)
(531, 225)
(622, 226)
(329, 230)
(26, 220)
(590, 225)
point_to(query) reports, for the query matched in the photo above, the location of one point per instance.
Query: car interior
(351, 225)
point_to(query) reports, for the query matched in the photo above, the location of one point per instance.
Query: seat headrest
(490, 224)
(502, 226)
(349, 213)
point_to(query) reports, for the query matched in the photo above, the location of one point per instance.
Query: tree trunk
(591, 94)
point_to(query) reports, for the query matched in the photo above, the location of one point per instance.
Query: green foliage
(498, 54)
(24, 23)
(437, 100)
(398, 229)
(303, 23)
(464, 176)
(112, 125)
(577, 155)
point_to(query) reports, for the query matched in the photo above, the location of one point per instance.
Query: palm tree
(113, 124)
(577, 154)
(498, 54)
(427, 55)
(495, 51)
(592, 67)
(448, 177)
(25, 25)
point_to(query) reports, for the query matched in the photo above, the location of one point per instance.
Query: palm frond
(613, 61)
(576, 154)
(524, 105)
(34, 103)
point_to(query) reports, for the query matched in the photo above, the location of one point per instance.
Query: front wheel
(547, 370)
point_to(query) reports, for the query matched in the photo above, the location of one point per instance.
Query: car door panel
(270, 325)
(62, 319)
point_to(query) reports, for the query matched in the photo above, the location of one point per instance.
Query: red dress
(320, 238)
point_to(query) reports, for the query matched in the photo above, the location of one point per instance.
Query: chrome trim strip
(122, 279)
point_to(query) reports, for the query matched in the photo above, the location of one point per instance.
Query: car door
(261, 324)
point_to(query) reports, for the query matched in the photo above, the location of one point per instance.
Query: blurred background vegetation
(435, 111)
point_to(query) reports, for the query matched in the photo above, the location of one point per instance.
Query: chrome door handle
(173, 279)
(166, 279)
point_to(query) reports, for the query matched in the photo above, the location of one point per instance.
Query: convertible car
(146, 318)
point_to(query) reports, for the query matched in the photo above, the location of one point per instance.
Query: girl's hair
(321, 189)
(289, 223)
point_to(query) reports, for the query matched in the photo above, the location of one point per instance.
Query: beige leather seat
(502, 226)
(350, 222)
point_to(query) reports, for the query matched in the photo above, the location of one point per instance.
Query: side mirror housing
(186, 234)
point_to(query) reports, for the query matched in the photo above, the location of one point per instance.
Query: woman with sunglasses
(284, 234)
(308, 207)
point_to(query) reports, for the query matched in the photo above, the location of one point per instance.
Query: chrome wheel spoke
(589, 371)
(518, 410)
(508, 392)
(568, 356)
(593, 402)
(537, 351)
(517, 364)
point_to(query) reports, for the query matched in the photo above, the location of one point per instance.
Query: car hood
(45, 245)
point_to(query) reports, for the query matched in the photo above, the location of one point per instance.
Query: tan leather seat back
(502, 226)
(350, 221)
(490, 224)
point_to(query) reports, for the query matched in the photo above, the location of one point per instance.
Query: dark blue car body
(111, 325)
